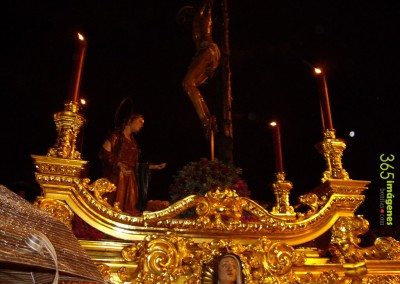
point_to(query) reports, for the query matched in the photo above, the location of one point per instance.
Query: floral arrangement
(201, 176)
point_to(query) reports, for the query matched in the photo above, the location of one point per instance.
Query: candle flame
(273, 123)
(80, 36)
(83, 102)
(318, 71)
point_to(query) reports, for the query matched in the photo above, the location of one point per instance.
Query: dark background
(137, 49)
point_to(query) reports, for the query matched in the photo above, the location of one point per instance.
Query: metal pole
(226, 88)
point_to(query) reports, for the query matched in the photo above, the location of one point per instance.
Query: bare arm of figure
(157, 166)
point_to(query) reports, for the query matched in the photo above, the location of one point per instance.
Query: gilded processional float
(271, 245)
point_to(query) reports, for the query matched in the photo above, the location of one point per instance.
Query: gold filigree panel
(166, 258)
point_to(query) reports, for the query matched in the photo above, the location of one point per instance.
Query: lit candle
(324, 100)
(77, 72)
(277, 146)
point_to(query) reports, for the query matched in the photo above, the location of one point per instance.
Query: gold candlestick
(282, 187)
(68, 123)
(332, 149)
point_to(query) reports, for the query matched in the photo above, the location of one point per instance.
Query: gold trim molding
(221, 212)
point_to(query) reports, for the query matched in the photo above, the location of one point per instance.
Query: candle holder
(282, 187)
(332, 149)
(68, 123)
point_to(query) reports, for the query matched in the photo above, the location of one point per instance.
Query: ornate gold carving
(130, 253)
(161, 259)
(332, 149)
(277, 259)
(57, 209)
(262, 220)
(104, 270)
(221, 210)
(387, 248)
(282, 189)
(123, 274)
(312, 201)
(326, 277)
(383, 248)
(165, 258)
(220, 207)
(99, 188)
(386, 279)
(58, 169)
(344, 242)
(68, 124)
(259, 261)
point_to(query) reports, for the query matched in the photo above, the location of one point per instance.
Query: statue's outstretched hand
(157, 166)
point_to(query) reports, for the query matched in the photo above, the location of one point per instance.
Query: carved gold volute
(165, 258)
(56, 208)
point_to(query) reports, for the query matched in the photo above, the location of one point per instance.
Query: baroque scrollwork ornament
(311, 201)
(165, 258)
(99, 188)
(222, 206)
(56, 208)
(105, 271)
(326, 277)
(345, 248)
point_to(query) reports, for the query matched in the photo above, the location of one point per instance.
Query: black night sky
(137, 49)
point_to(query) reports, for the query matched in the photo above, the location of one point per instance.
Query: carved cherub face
(227, 270)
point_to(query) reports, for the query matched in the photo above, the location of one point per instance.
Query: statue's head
(229, 269)
(135, 122)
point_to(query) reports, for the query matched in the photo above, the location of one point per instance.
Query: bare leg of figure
(199, 105)
(197, 99)
(196, 76)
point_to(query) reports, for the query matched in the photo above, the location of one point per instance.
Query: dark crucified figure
(203, 64)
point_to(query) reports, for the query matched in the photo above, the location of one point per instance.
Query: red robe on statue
(120, 167)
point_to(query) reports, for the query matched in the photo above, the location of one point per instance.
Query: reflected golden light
(83, 102)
